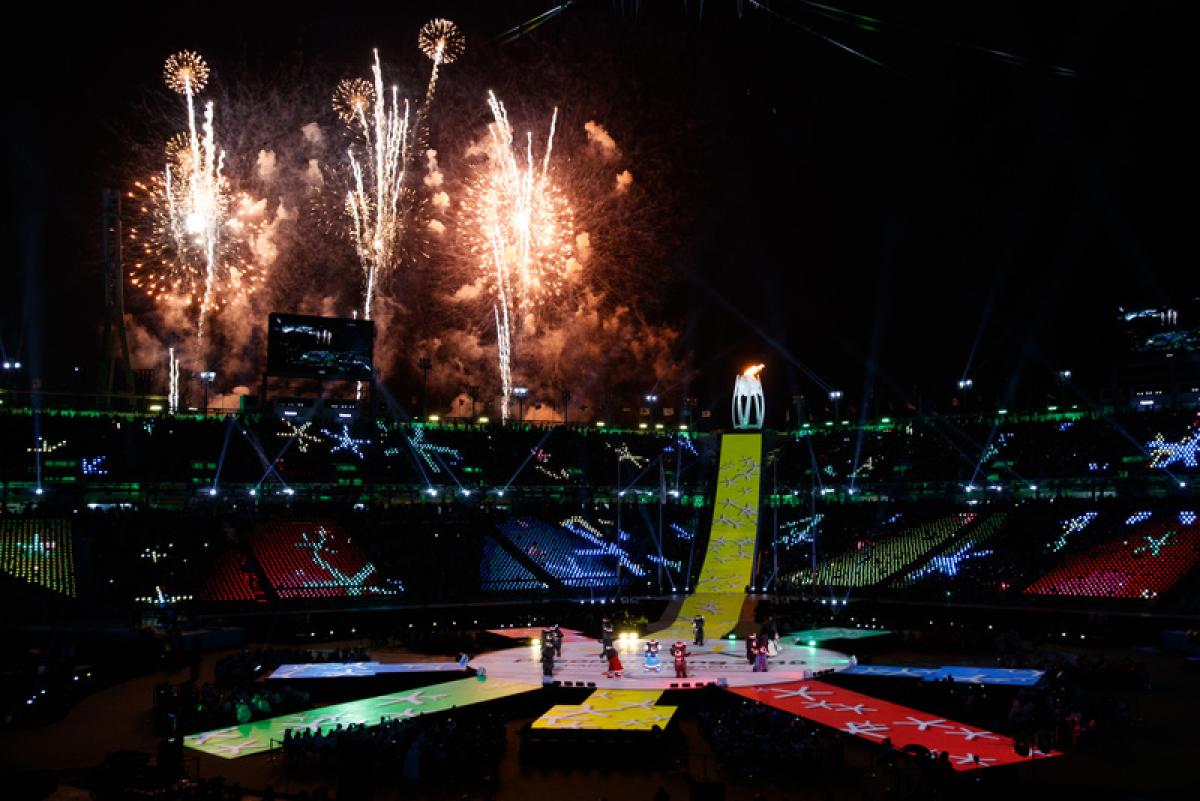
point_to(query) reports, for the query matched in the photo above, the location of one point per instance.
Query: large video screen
(319, 347)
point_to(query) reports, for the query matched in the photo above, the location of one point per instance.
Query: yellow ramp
(729, 561)
(628, 710)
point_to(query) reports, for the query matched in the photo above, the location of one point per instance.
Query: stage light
(812, 643)
(212, 491)
(156, 407)
(599, 424)
(253, 492)
(433, 418)
(483, 421)
(1002, 411)
(885, 420)
(431, 491)
(835, 394)
(520, 392)
(38, 491)
(658, 426)
(288, 491)
(965, 383)
(651, 398)
(643, 426)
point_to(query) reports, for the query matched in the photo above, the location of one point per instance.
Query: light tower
(116, 372)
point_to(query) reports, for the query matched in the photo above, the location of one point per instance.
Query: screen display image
(330, 347)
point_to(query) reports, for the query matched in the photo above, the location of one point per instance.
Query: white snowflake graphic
(865, 729)
(803, 691)
(968, 734)
(922, 725)
(236, 749)
(218, 734)
(822, 704)
(416, 698)
(972, 759)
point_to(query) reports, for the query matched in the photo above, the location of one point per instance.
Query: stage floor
(718, 659)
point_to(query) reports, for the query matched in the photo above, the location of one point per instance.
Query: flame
(753, 370)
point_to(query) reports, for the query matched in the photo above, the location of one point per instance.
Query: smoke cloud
(600, 138)
(312, 134)
(266, 165)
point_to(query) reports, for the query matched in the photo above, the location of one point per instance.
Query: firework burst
(186, 72)
(353, 100)
(193, 233)
(442, 41)
(377, 200)
(519, 227)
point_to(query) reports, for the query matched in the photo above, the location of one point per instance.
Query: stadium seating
(39, 552)
(230, 580)
(1142, 562)
(872, 561)
(314, 560)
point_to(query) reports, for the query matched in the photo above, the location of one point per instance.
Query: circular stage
(580, 665)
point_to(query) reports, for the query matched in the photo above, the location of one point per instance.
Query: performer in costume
(556, 630)
(606, 636)
(547, 659)
(771, 630)
(760, 657)
(680, 652)
(751, 648)
(652, 660)
(698, 629)
(615, 668)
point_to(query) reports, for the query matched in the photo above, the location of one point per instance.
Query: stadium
(392, 469)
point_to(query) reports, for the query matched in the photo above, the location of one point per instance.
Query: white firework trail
(197, 209)
(525, 227)
(172, 381)
(376, 200)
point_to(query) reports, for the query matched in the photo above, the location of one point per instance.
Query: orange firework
(442, 41)
(353, 99)
(193, 235)
(186, 72)
(520, 227)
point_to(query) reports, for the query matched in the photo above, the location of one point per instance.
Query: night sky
(880, 205)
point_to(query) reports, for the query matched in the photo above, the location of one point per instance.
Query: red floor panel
(875, 719)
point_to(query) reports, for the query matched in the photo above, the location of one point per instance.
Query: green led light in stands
(39, 552)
